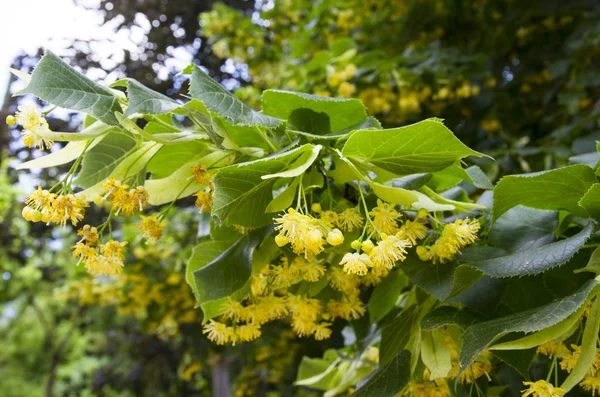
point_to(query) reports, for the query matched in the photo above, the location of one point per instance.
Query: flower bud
(281, 240)
(11, 120)
(367, 246)
(356, 245)
(335, 237)
(316, 208)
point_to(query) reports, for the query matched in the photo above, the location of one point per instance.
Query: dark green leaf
(559, 189)
(146, 101)
(591, 201)
(478, 337)
(388, 380)
(427, 146)
(522, 228)
(386, 294)
(59, 84)
(447, 315)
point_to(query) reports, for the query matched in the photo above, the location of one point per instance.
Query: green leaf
(462, 278)
(435, 353)
(543, 336)
(101, 160)
(202, 254)
(130, 166)
(242, 194)
(522, 228)
(242, 137)
(341, 113)
(591, 201)
(427, 146)
(447, 315)
(315, 124)
(394, 195)
(478, 337)
(559, 189)
(588, 349)
(69, 153)
(316, 373)
(593, 264)
(520, 360)
(59, 84)
(168, 159)
(396, 333)
(219, 100)
(285, 199)
(479, 178)
(299, 166)
(534, 260)
(95, 130)
(388, 380)
(226, 273)
(385, 295)
(143, 100)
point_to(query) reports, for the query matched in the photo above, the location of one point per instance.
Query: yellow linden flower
(201, 175)
(385, 217)
(355, 263)
(109, 263)
(306, 308)
(88, 234)
(569, 361)
(40, 199)
(322, 331)
(350, 219)
(554, 348)
(29, 116)
(351, 308)
(260, 282)
(541, 388)
(590, 384)
(139, 196)
(388, 251)
(455, 236)
(335, 237)
(34, 137)
(412, 231)
(303, 326)
(272, 308)
(84, 252)
(204, 201)
(475, 371)
(311, 270)
(342, 281)
(232, 310)
(370, 279)
(248, 332)
(424, 253)
(329, 219)
(302, 231)
(67, 208)
(284, 275)
(346, 90)
(151, 227)
(219, 332)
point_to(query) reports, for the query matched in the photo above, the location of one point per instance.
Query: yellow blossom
(201, 175)
(590, 384)
(342, 281)
(248, 332)
(40, 199)
(541, 388)
(350, 219)
(307, 308)
(351, 308)
(412, 231)
(554, 348)
(335, 237)
(384, 217)
(569, 360)
(233, 310)
(322, 331)
(34, 137)
(88, 234)
(204, 200)
(346, 90)
(283, 275)
(310, 270)
(355, 263)
(219, 332)
(67, 208)
(388, 251)
(29, 116)
(455, 236)
(329, 218)
(151, 227)
(475, 371)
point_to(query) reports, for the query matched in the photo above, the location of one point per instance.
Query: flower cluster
(48, 207)
(205, 196)
(124, 201)
(99, 259)
(453, 238)
(34, 126)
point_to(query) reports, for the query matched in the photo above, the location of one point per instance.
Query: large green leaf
(228, 272)
(171, 157)
(534, 260)
(59, 84)
(202, 254)
(385, 295)
(388, 380)
(219, 100)
(559, 189)
(101, 160)
(478, 337)
(242, 194)
(143, 100)
(447, 315)
(342, 113)
(522, 228)
(427, 146)
(591, 201)
(435, 353)
(396, 333)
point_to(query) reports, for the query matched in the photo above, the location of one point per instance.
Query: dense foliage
(324, 223)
